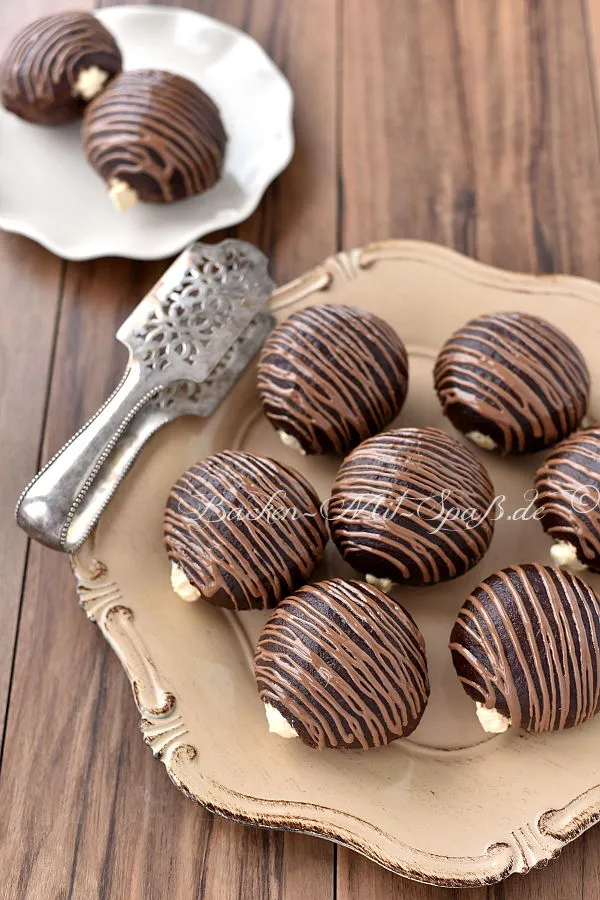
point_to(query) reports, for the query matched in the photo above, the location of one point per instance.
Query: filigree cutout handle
(189, 340)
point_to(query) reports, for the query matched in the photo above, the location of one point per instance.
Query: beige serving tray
(449, 805)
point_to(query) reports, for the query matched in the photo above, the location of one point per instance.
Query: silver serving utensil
(189, 340)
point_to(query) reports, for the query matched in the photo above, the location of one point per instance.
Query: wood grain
(27, 318)
(30, 288)
(476, 129)
(475, 125)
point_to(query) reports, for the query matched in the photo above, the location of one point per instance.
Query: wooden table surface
(474, 124)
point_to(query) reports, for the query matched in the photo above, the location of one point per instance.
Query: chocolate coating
(568, 486)
(157, 132)
(526, 642)
(245, 530)
(344, 665)
(331, 376)
(41, 65)
(387, 506)
(514, 378)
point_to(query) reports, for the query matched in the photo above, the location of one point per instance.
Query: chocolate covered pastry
(54, 65)
(512, 382)
(526, 647)
(331, 376)
(411, 506)
(568, 497)
(242, 531)
(155, 137)
(341, 665)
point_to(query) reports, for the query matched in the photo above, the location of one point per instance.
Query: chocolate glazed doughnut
(526, 647)
(568, 495)
(157, 134)
(341, 665)
(512, 381)
(40, 71)
(331, 376)
(242, 531)
(387, 505)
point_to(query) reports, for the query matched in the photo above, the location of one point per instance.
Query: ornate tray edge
(162, 725)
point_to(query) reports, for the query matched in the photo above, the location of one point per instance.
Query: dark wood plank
(476, 130)
(473, 125)
(29, 285)
(30, 281)
(361, 880)
(86, 811)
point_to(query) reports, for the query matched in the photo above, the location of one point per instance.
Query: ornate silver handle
(102, 489)
(49, 504)
(189, 340)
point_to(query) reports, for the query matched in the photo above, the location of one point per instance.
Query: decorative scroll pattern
(103, 603)
(531, 848)
(164, 729)
(164, 734)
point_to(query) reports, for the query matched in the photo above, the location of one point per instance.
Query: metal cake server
(189, 340)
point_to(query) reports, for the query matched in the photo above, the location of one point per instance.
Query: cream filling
(290, 441)
(89, 82)
(491, 720)
(565, 556)
(182, 585)
(384, 584)
(481, 440)
(122, 196)
(277, 724)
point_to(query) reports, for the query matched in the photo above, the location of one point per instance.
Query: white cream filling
(484, 441)
(122, 196)
(182, 585)
(491, 720)
(384, 584)
(565, 556)
(290, 441)
(89, 82)
(277, 724)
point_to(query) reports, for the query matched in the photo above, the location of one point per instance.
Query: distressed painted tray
(447, 806)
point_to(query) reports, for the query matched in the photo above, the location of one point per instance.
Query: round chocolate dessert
(568, 496)
(331, 376)
(526, 648)
(411, 506)
(155, 137)
(242, 531)
(55, 65)
(512, 382)
(340, 665)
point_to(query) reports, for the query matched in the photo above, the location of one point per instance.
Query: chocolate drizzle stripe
(51, 49)
(251, 559)
(344, 664)
(386, 498)
(515, 373)
(331, 376)
(568, 486)
(158, 132)
(527, 643)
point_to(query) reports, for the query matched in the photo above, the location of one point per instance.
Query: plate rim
(531, 845)
(279, 161)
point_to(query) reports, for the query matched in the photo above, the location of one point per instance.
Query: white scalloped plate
(446, 806)
(48, 191)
